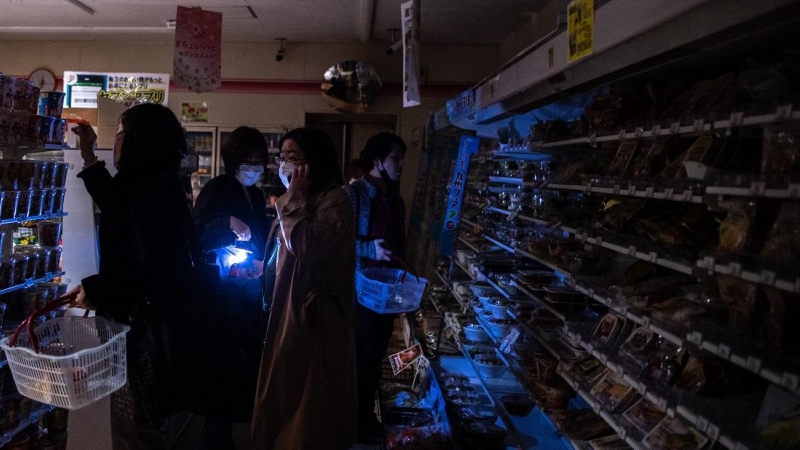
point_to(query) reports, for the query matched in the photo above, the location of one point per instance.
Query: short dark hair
(244, 144)
(379, 146)
(154, 140)
(321, 155)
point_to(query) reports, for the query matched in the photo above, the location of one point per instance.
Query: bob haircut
(321, 155)
(379, 146)
(154, 140)
(244, 145)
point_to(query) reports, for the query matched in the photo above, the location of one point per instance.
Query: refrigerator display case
(206, 143)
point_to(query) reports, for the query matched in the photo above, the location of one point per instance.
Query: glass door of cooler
(270, 181)
(202, 142)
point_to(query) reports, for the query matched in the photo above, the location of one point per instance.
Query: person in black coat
(231, 219)
(144, 238)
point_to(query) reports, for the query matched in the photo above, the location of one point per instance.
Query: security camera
(282, 51)
(394, 47)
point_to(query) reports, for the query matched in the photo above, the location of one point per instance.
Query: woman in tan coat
(306, 396)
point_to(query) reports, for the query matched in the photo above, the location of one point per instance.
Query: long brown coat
(306, 395)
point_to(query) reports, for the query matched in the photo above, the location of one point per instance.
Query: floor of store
(190, 437)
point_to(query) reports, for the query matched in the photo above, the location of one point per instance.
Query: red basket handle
(406, 266)
(28, 322)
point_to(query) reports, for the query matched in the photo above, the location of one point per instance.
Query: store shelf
(554, 348)
(756, 189)
(764, 277)
(467, 222)
(717, 429)
(686, 196)
(544, 262)
(654, 257)
(468, 244)
(534, 431)
(540, 302)
(499, 244)
(533, 220)
(782, 113)
(514, 180)
(28, 283)
(32, 418)
(21, 219)
(464, 269)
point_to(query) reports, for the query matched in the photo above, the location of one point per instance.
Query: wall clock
(44, 79)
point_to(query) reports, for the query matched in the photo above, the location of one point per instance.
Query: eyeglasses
(280, 159)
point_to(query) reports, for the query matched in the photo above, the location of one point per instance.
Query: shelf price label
(668, 193)
(736, 118)
(783, 112)
(638, 132)
(790, 381)
(675, 128)
(631, 250)
(758, 188)
(701, 424)
(695, 337)
(724, 351)
(648, 192)
(698, 124)
(592, 138)
(768, 277)
(622, 134)
(712, 431)
(631, 189)
(753, 364)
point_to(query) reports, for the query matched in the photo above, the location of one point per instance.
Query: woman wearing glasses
(306, 396)
(230, 216)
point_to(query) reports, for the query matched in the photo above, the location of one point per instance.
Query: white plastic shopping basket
(389, 291)
(68, 362)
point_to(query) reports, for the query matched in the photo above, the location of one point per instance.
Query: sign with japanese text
(83, 88)
(411, 70)
(580, 29)
(468, 147)
(198, 37)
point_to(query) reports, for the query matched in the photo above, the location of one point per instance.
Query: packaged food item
(679, 310)
(671, 433)
(613, 442)
(625, 154)
(783, 242)
(781, 151)
(644, 415)
(613, 392)
(700, 375)
(639, 344)
(666, 363)
(608, 328)
(740, 297)
(736, 230)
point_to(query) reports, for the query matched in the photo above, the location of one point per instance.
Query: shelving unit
(523, 95)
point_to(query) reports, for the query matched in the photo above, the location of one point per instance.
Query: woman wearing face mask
(306, 389)
(231, 219)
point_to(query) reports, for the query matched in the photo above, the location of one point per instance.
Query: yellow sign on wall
(580, 29)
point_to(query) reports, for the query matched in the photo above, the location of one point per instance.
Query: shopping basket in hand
(68, 362)
(389, 291)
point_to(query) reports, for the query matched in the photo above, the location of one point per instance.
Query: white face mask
(248, 177)
(284, 172)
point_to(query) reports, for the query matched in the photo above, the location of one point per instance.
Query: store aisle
(190, 438)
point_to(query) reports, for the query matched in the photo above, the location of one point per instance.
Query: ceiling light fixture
(82, 6)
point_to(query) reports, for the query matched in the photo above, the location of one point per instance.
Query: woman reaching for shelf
(144, 235)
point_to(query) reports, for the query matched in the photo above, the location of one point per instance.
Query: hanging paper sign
(580, 29)
(410, 18)
(401, 360)
(83, 88)
(468, 147)
(198, 36)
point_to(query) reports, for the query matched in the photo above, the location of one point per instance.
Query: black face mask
(390, 183)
